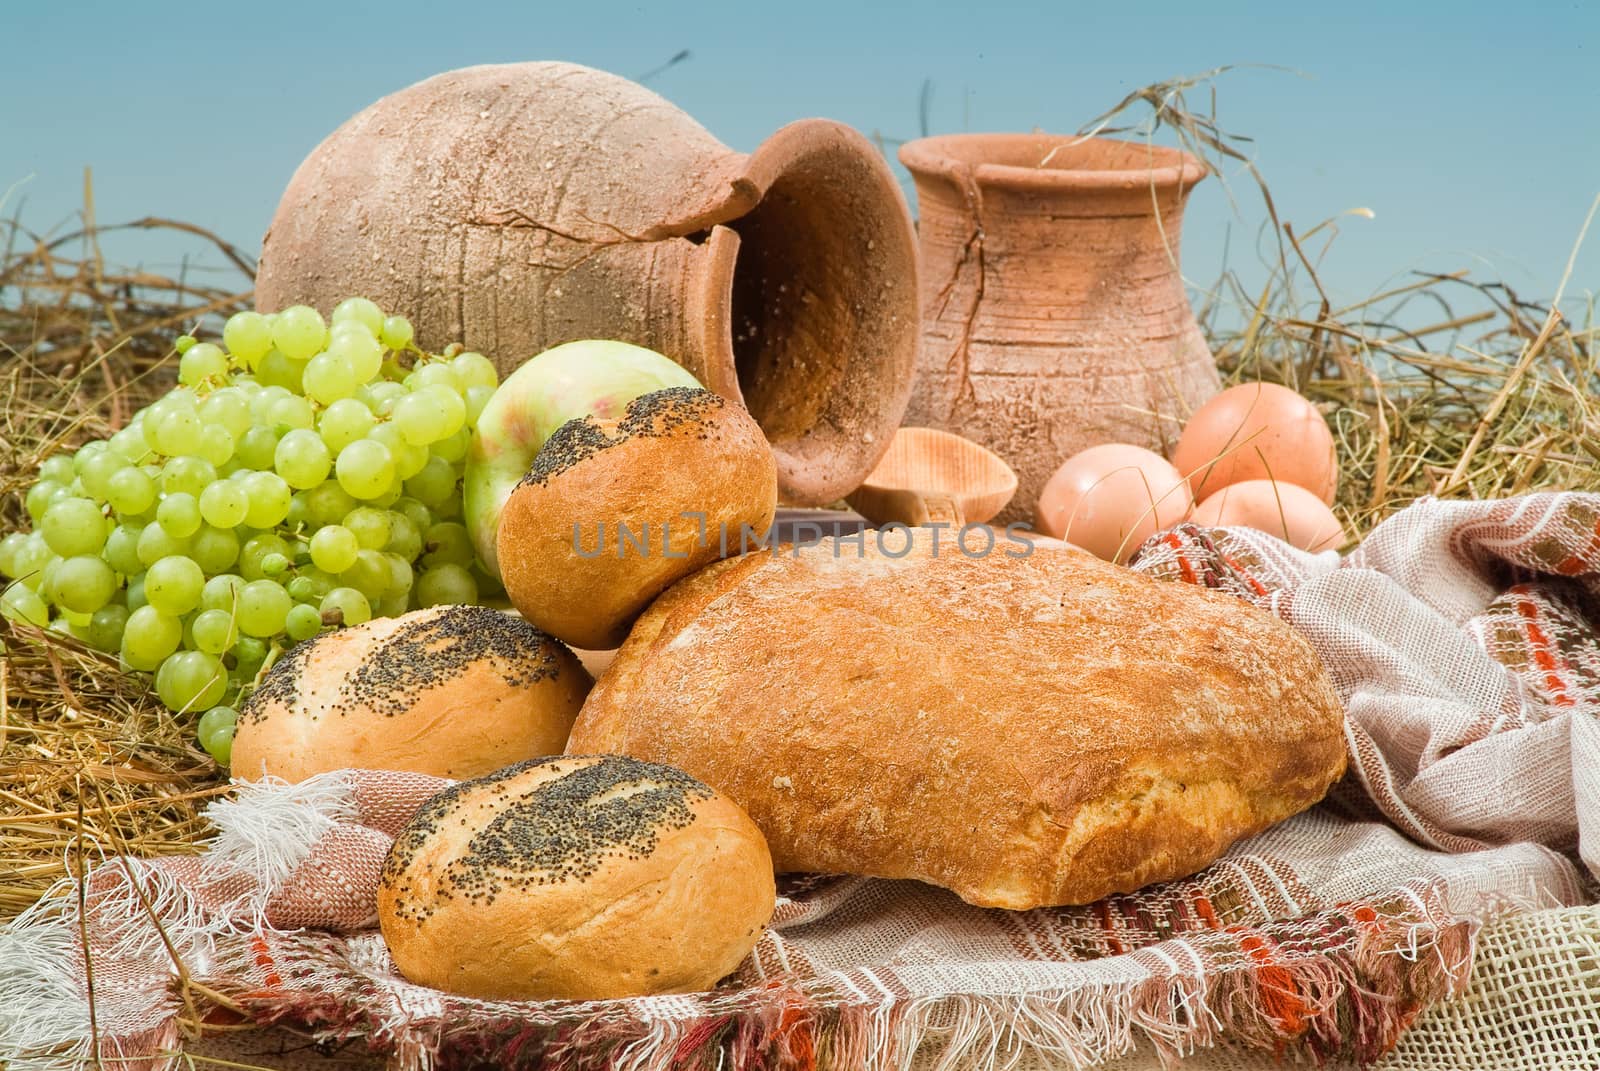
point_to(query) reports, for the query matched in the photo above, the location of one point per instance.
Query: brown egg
(1258, 431)
(1291, 513)
(1109, 499)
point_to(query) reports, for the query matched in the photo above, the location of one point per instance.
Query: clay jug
(519, 206)
(1054, 315)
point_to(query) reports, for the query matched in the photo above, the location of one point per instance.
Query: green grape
(263, 400)
(365, 468)
(328, 503)
(298, 516)
(176, 431)
(447, 583)
(415, 512)
(302, 622)
(130, 443)
(191, 680)
(351, 606)
(130, 491)
(292, 412)
(221, 592)
(302, 459)
(257, 448)
(106, 625)
(187, 476)
(227, 409)
(360, 352)
(433, 483)
(447, 543)
(343, 422)
(73, 526)
(121, 551)
(299, 332)
(405, 538)
(334, 548)
(99, 469)
(155, 543)
(370, 574)
(149, 637)
(248, 337)
(454, 448)
(361, 311)
(392, 605)
(263, 604)
(274, 566)
(256, 550)
(269, 499)
(371, 527)
(202, 362)
(396, 333)
(134, 596)
(329, 377)
(213, 720)
(179, 514)
(420, 418)
(40, 496)
(184, 343)
(436, 374)
(224, 504)
(58, 468)
(216, 445)
(214, 549)
(279, 371)
(9, 548)
(474, 370)
(219, 744)
(173, 585)
(310, 584)
(214, 631)
(82, 584)
(381, 397)
(22, 604)
(408, 457)
(401, 576)
(30, 559)
(476, 398)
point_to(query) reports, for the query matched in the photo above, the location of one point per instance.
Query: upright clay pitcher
(1054, 315)
(519, 206)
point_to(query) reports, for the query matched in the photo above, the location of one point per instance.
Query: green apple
(594, 377)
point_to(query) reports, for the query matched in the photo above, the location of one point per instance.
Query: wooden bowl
(932, 475)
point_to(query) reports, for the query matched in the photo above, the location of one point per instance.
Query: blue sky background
(1468, 128)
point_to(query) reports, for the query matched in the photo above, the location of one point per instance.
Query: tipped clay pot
(520, 206)
(1054, 315)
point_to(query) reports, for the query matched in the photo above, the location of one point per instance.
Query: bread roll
(1026, 731)
(454, 691)
(612, 512)
(581, 878)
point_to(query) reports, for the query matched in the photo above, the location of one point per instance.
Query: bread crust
(613, 512)
(1024, 731)
(580, 878)
(454, 691)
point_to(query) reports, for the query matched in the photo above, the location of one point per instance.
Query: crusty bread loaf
(614, 511)
(455, 691)
(581, 878)
(1025, 731)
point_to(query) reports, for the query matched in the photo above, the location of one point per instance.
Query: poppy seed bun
(681, 468)
(575, 878)
(454, 691)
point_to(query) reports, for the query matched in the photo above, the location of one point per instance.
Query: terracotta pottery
(519, 206)
(932, 475)
(1054, 315)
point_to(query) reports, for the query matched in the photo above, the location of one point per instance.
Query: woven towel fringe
(45, 997)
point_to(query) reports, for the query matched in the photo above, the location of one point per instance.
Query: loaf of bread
(1025, 731)
(454, 691)
(579, 878)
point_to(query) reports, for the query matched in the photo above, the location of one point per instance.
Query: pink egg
(1291, 513)
(1109, 499)
(1258, 431)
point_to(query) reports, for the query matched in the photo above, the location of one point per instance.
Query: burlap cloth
(1462, 639)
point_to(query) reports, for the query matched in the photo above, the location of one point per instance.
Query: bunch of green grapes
(301, 476)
